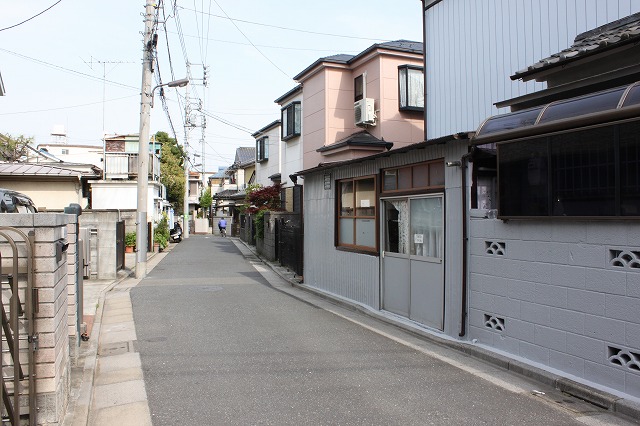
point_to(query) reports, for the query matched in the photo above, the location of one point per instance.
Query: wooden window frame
(338, 205)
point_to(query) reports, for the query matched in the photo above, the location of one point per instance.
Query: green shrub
(130, 239)
(161, 233)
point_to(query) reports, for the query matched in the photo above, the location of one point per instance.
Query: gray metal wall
(473, 46)
(357, 276)
(558, 296)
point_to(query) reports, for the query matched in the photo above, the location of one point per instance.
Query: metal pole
(187, 129)
(143, 143)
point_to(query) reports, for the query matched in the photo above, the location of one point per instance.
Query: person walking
(222, 226)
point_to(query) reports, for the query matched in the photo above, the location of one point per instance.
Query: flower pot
(128, 249)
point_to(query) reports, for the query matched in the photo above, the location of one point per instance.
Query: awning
(596, 108)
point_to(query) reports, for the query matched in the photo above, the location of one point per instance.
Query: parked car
(15, 202)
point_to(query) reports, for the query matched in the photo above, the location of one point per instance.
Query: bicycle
(223, 232)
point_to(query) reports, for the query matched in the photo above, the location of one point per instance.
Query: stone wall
(562, 294)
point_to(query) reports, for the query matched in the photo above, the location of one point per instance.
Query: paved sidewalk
(110, 390)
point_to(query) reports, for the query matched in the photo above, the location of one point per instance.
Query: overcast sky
(53, 65)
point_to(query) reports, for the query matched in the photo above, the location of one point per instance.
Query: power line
(228, 123)
(34, 16)
(249, 40)
(287, 28)
(68, 70)
(67, 107)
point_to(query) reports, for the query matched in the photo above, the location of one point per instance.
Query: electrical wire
(254, 46)
(229, 123)
(289, 29)
(58, 67)
(34, 16)
(67, 107)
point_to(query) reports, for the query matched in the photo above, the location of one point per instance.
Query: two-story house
(118, 188)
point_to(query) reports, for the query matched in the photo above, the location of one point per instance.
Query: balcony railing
(122, 165)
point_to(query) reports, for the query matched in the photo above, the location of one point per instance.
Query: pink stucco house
(353, 106)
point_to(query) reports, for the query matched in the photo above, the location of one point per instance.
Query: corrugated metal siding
(473, 46)
(356, 276)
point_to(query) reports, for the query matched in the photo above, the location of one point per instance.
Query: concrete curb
(608, 401)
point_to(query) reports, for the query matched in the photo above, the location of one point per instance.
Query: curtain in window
(416, 88)
(402, 80)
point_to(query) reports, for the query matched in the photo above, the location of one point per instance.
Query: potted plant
(161, 233)
(129, 242)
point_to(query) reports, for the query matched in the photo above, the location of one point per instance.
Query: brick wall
(563, 294)
(55, 311)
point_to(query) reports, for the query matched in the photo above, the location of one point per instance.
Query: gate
(119, 245)
(19, 342)
(290, 238)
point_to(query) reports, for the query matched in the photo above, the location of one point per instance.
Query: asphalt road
(221, 346)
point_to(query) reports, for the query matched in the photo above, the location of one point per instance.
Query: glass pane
(396, 227)
(426, 227)
(630, 169)
(436, 174)
(416, 88)
(366, 232)
(297, 119)
(404, 178)
(365, 197)
(421, 176)
(345, 231)
(402, 81)
(511, 121)
(633, 97)
(583, 165)
(284, 123)
(346, 198)
(389, 181)
(583, 105)
(523, 178)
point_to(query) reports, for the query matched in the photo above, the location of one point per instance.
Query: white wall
(292, 149)
(474, 46)
(110, 195)
(271, 166)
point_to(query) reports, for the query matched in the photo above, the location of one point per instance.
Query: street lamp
(176, 83)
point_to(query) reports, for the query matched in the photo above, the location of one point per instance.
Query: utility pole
(143, 144)
(187, 129)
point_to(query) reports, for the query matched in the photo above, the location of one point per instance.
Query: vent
(495, 248)
(493, 322)
(364, 112)
(628, 259)
(624, 358)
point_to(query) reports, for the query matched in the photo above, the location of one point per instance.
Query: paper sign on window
(418, 238)
(365, 203)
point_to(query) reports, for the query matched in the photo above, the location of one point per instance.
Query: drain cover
(114, 348)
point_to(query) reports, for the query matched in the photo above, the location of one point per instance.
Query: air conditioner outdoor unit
(365, 113)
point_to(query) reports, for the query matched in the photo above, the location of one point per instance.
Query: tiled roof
(245, 155)
(361, 138)
(611, 35)
(28, 169)
(398, 45)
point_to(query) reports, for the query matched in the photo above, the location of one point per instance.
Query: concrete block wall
(267, 246)
(104, 221)
(562, 294)
(52, 318)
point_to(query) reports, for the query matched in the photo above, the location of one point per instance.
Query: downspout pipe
(424, 64)
(464, 161)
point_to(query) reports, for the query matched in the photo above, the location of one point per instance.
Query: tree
(171, 169)
(13, 149)
(206, 199)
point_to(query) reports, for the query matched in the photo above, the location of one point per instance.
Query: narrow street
(222, 344)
